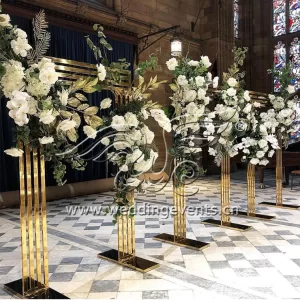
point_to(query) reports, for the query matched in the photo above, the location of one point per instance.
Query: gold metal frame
(251, 213)
(279, 203)
(225, 200)
(125, 255)
(179, 237)
(35, 271)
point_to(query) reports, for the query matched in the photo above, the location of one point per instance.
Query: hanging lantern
(176, 46)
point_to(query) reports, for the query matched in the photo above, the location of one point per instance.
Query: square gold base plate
(255, 216)
(15, 288)
(135, 263)
(283, 206)
(230, 225)
(187, 243)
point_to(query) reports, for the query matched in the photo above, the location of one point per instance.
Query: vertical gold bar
(251, 189)
(44, 219)
(183, 212)
(279, 174)
(37, 216)
(175, 192)
(29, 216)
(120, 234)
(23, 218)
(225, 188)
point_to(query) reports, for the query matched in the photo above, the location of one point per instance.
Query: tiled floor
(263, 263)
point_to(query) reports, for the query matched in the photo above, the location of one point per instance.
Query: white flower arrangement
(46, 111)
(233, 112)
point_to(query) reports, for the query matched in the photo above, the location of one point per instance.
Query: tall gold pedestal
(179, 237)
(251, 213)
(125, 255)
(34, 283)
(225, 200)
(279, 203)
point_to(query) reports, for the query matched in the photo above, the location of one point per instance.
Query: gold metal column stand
(225, 200)
(179, 237)
(34, 283)
(279, 203)
(251, 213)
(125, 255)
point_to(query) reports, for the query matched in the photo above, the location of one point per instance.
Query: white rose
(200, 80)
(181, 80)
(201, 94)
(209, 76)
(247, 108)
(172, 64)
(15, 152)
(232, 82)
(90, 132)
(46, 140)
(225, 129)
(215, 82)
(231, 92)
(63, 96)
(66, 125)
(260, 154)
(20, 33)
(147, 134)
(134, 182)
(105, 103)
(212, 151)
(205, 61)
(124, 168)
(135, 157)
(5, 20)
(189, 96)
(46, 117)
(271, 153)
(118, 123)
(101, 72)
(256, 104)
(131, 119)
(291, 89)
(254, 161)
(264, 162)
(193, 63)
(262, 143)
(105, 141)
(48, 76)
(247, 96)
(20, 46)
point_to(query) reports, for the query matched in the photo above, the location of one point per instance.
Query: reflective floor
(263, 263)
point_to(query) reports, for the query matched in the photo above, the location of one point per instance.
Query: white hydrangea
(14, 77)
(37, 88)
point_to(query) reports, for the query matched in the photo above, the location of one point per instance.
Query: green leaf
(66, 114)
(95, 27)
(72, 135)
(91, 110)
(77, 119)
(81, 97)
(74, 102)
(93, 121)
(83, 106)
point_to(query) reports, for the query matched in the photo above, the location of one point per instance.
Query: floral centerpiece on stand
(46, 110)
(233, 111)
(189, 110)
(126, 140)
(284, 112)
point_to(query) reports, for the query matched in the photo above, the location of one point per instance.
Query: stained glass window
(295, 61)
(236, 18)
(279, 17)
(279, 62)
(294, 20)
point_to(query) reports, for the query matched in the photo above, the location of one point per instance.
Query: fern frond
(41, 37)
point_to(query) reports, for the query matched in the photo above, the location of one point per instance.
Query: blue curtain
(69, 45)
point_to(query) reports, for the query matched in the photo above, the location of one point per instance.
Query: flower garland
(46, 111)
(189, 105)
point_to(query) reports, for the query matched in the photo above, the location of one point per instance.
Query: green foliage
(116, 71)
(103, 45)
(285, 76)
(234, 69)
(148, 65)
